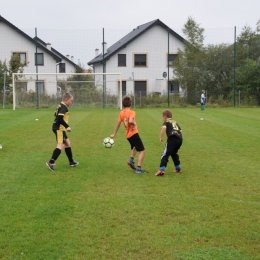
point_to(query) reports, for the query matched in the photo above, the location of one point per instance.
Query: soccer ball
(108, 142)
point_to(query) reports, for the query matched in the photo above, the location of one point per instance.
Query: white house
(142, 58)
(15, 42)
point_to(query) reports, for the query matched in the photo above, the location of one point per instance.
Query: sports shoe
(72, 164)
(159, 173)
(139, 171)
(131, 165)
(175, 170)
(50, 165)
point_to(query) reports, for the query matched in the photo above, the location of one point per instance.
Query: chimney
(96, 52)
(48, 45)
(68, 56)
(72, 58)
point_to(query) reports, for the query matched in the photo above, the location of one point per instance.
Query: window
(40, 87)
(140, 60)
(140, 88)
(62, 68)
(174, 87)
(22, 56)
(172, 57)
(39, 59)
(121, 60)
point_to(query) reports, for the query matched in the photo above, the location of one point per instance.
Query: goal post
(45, 89)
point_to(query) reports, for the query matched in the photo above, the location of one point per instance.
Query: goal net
(43, 90)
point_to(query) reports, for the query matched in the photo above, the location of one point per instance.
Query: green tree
(188, 67)
(194, 33)
(13, 66)
(248, 61)
(248, 78)
(248, 44)
(218, 69)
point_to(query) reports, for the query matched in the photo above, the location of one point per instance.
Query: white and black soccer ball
(108, 142)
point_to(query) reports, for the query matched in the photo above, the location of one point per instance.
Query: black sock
(55, 155)
(69, 153)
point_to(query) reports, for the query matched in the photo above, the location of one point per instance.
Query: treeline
(222, 69)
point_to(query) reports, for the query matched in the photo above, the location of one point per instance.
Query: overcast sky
(122, 16)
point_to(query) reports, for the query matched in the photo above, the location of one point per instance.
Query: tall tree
(13, 66)
(189, 65)
(194, 33)
(248, 61)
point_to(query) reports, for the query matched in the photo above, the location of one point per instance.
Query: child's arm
(132, 122)
(61, 121)
(163, 129)
(116, 129)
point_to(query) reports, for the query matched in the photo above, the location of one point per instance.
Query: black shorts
(61, 136)
(135, 141)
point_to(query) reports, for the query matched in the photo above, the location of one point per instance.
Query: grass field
(101, 209)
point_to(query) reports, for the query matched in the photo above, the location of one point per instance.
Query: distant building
(142, 58)
(13, 41)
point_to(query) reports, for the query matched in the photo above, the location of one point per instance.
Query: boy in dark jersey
(127, 116)
(173, 144)
(59, 127)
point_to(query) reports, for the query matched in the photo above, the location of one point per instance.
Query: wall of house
(12, 41)
(154, 43)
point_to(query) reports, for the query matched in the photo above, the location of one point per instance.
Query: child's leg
(164, 161)
(164, 158)
(133, 153)
(176, 160)
(175, 157)
(140, 158)
(68, 150)
(55, 155)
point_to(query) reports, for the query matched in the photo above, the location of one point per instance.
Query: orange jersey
(124, 117)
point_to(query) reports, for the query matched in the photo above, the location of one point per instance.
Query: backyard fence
(98, 99)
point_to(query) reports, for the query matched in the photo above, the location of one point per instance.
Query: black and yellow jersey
(61, 118)
(172, 128)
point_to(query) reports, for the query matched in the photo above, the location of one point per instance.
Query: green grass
(102, 210)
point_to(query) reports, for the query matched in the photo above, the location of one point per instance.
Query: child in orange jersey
(127, 116)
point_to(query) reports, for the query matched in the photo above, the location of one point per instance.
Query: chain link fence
(98, 99)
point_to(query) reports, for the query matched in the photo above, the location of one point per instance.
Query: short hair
(167, 113)
(126, 101)
(66, 96)
(203, 91)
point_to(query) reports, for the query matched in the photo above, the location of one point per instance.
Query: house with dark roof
(39, 56)
(144, 58)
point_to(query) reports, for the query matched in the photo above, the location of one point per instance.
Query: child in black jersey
(59, 127)
(173, 144)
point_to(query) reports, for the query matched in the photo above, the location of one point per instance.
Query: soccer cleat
(175, 170)
(72, 164)
(139, 171)
(159, 173)
(50, 165)
(131, 165)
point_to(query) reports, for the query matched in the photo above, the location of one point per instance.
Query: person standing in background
(202, 100)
